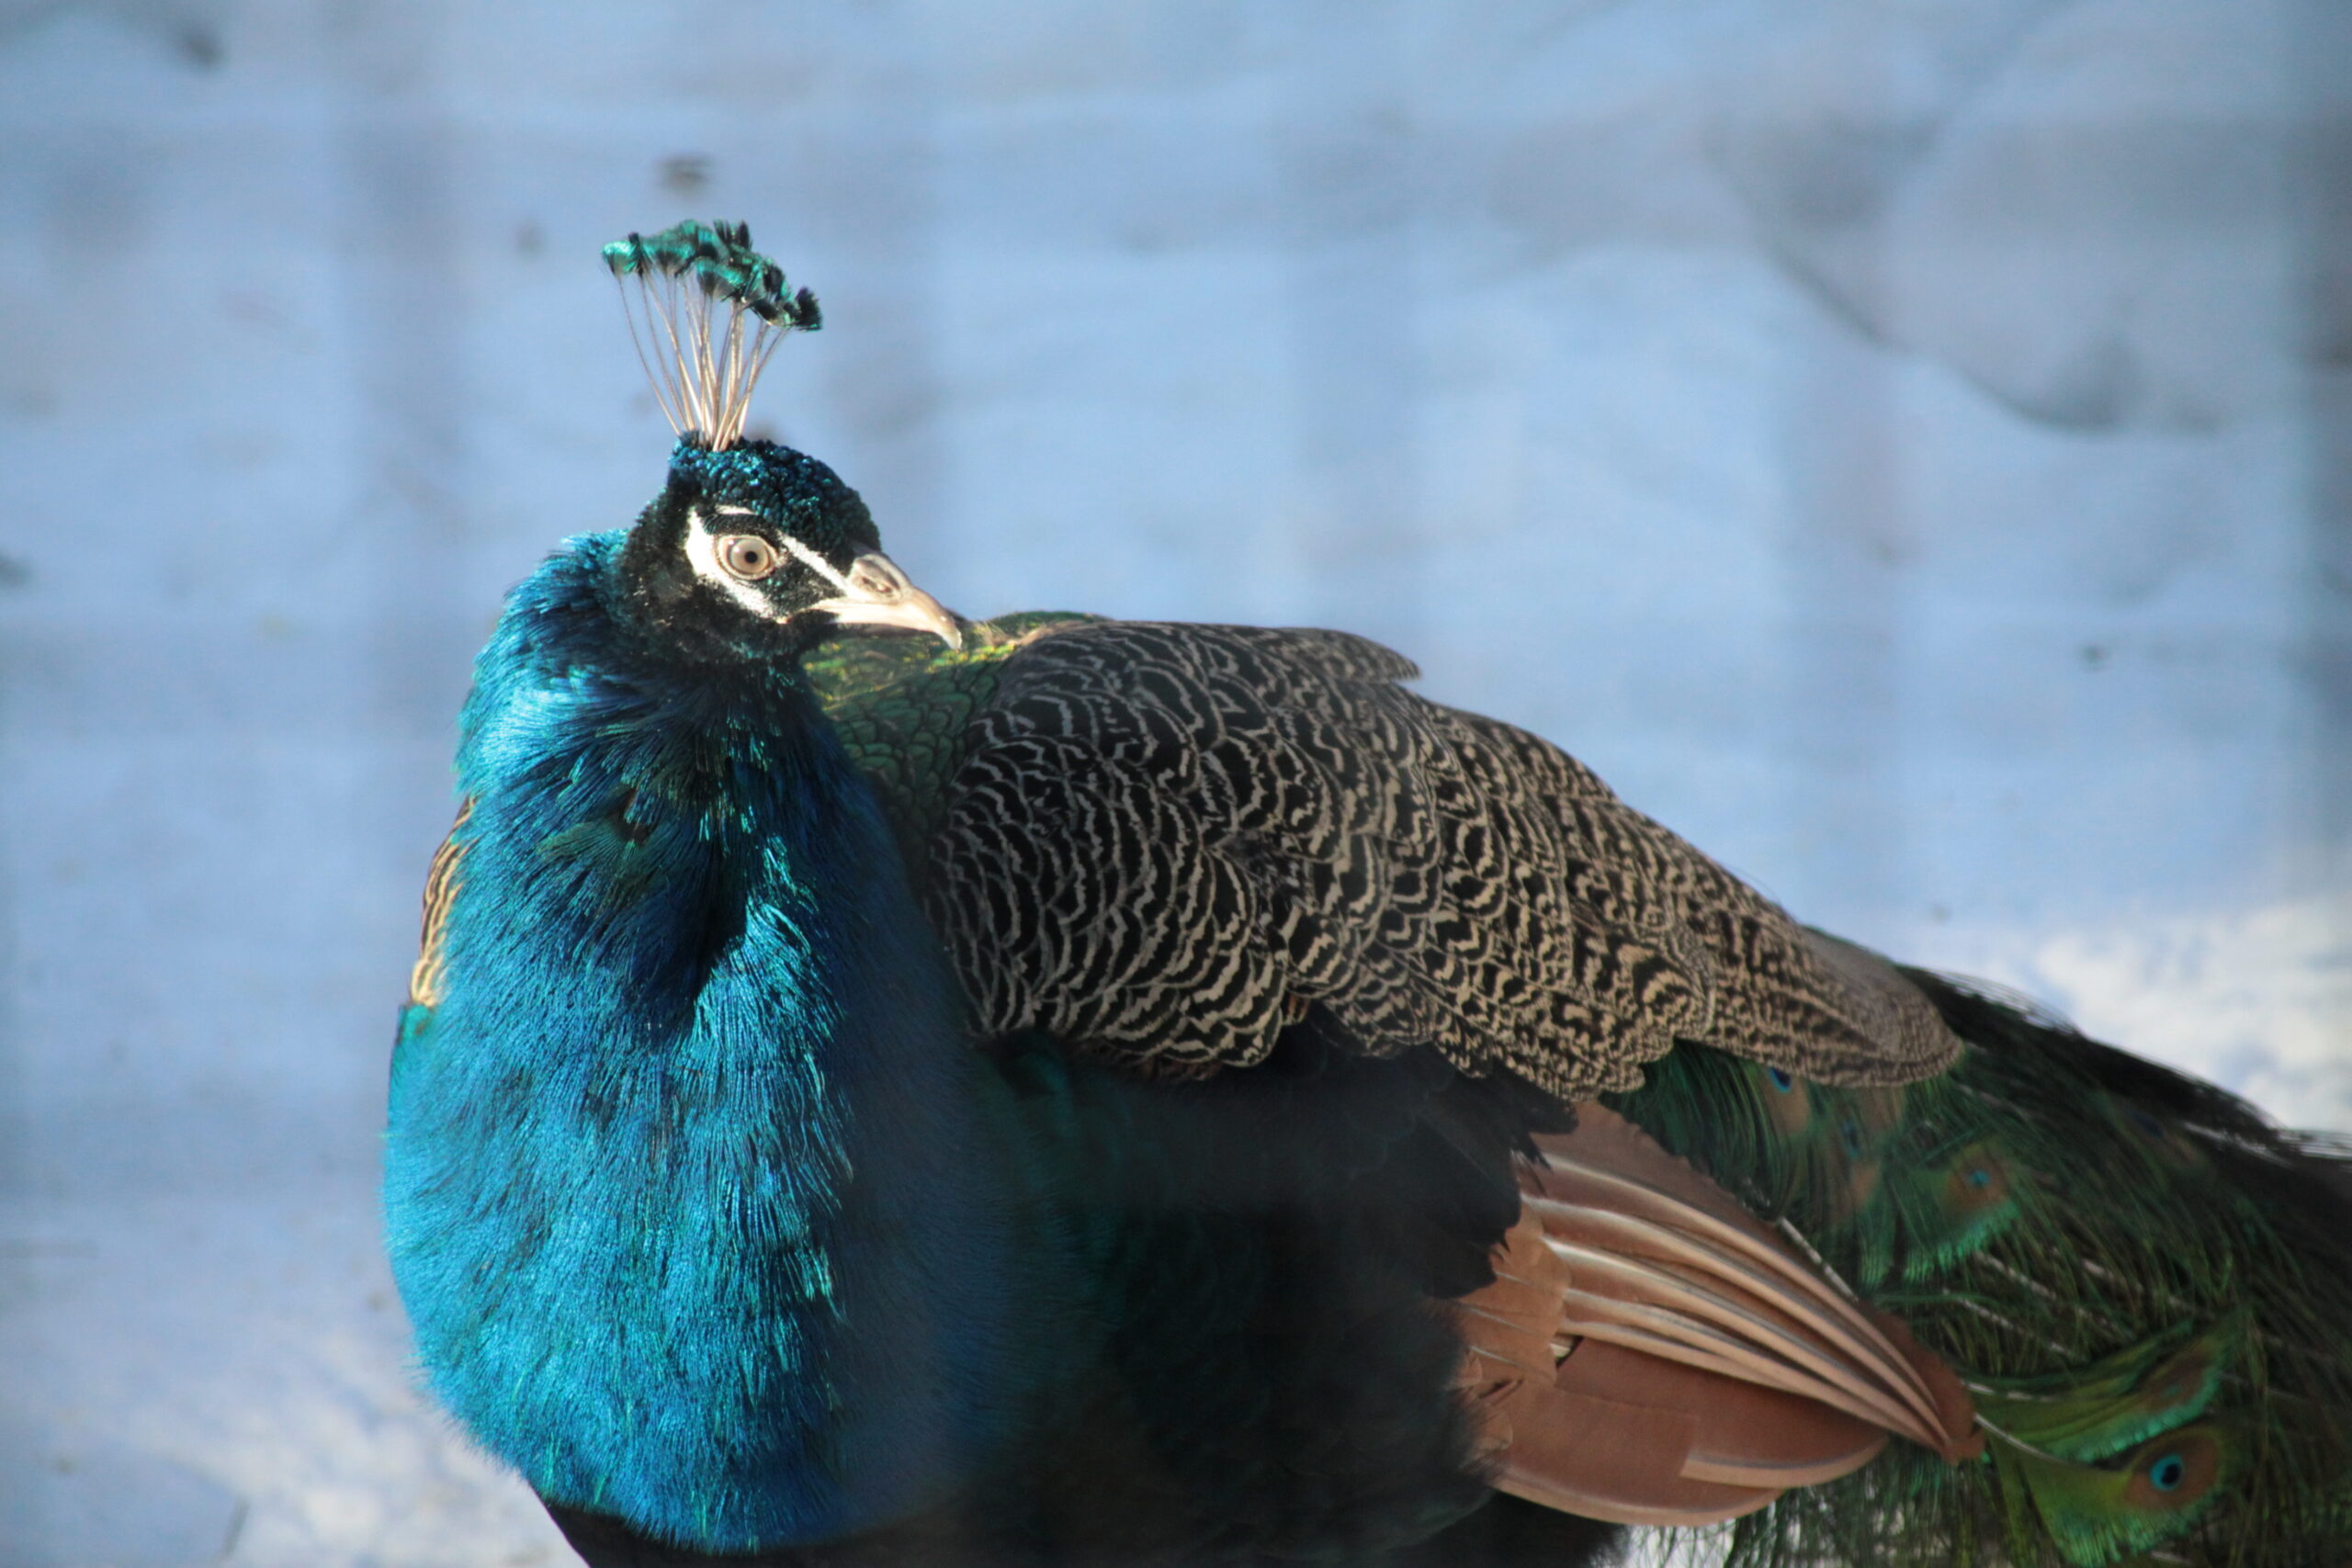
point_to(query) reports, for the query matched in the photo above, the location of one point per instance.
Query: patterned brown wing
(440, 887)
(1160, 840)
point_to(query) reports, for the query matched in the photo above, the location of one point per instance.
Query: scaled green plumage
(2119, 1261)
(901, 704)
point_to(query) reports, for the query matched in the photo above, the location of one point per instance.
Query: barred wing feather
(1164, 842)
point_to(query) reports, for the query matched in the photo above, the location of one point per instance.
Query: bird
(877, 1086)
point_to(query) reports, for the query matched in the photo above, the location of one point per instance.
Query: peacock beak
(879, 595)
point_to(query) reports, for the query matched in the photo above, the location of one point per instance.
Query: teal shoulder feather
(901, 705)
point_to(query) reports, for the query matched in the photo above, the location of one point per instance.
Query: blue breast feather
(686, 1176)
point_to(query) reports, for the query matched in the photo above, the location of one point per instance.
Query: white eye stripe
(815, 563)
(799, 552)
(702, 554)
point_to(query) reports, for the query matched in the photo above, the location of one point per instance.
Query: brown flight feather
(1650, 1354)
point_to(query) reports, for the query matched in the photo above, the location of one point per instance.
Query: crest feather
(697, 284)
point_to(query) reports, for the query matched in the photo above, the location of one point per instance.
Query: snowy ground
(1905, 444)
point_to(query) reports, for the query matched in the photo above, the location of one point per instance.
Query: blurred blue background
(1904, 445)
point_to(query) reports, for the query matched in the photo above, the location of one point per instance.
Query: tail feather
(2146, 1286)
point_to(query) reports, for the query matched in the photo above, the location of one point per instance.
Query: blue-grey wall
(1906, 447)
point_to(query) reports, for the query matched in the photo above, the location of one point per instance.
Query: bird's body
(671, 876)
(1076, 1091)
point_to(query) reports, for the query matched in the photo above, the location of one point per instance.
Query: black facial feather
(789, 489)
(678, 614)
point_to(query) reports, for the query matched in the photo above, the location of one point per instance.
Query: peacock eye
(747, 556)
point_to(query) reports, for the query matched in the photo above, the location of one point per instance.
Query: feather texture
(1153, 841)
(679, 1116)
(1150, 1094)
(2146, 1288)
(2073, 1232)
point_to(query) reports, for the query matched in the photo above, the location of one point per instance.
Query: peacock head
(756, 551)
(752, 550)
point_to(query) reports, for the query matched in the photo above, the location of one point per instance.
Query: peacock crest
(696, 285)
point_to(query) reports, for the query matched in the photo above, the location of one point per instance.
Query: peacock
(880, 1088)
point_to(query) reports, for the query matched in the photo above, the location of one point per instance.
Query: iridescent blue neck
(682, 1162)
